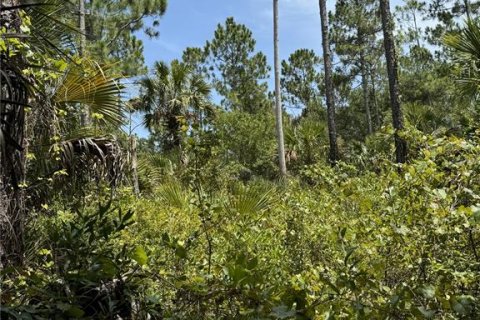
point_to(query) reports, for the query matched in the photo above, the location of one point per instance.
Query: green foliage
(306, 140)
(301, 79)
(446, 14)
(112, 28)
(237, 69)
(153, 168)
(466, 46)
(77, 269)
(174, 99)
(93, 88)
(355, 37)
(398, 244)
(381, 243)
(247, 143)
(54, 86)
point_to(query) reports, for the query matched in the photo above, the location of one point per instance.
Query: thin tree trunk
(366, 102)
(327, 60)
(82, 29)
(133, 159)
(84, 115)
(278, 97)
(374, 98)
(417, 33)
(12, 147)
(467, 9)
(392, 68)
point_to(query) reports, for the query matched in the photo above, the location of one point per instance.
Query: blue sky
(192, 22)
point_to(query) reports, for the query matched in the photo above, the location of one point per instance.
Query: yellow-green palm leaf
(100, 92)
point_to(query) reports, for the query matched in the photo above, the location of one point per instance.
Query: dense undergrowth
(192, 221)
(365, 240)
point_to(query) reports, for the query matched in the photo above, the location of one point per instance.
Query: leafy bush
(388, 241)
(394, 242)
(79, 269)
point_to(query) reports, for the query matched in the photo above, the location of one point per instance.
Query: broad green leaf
(140, 256)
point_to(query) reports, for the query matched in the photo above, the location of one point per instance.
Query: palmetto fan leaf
(101, 93)
(174, 195)
(466, 46)
(154, 169)
(467, 42)
(250, 200)
(198, 94)
(146, 103)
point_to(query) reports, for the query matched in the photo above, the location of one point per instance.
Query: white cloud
(169, 46)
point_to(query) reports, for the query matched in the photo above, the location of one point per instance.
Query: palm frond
(101, 93)
(466, 46)
(173, 94)
(179, 73)
(201, 87)
(100, 155)
(50, 31)
(467, 41)
(250, 200)
(154, 168)
(161, 69)
(173, 195)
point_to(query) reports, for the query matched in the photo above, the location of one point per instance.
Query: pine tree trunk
(278, 97)
(366, 102)
(392, 69)
(330, 97)
(378, 120)
(12, 145)
(133, 159)
(417, 32)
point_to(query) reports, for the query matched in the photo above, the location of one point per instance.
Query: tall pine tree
(329, 88)
(238, 72)
(392, 70)
(111, 28)
(355, 39)
(278, 94)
